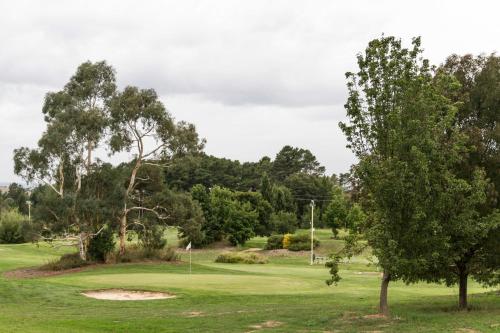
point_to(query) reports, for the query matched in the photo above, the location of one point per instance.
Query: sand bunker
(126, 295)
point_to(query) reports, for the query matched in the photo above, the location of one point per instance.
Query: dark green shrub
(284, 222)
(152, 238)
(140, 254)
(301, 242)
(274, 242)
(240, 258)
(101, 244)
(67, 261)
(10, 232)
(30, 231)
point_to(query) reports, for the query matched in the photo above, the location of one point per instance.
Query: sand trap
(126, 295)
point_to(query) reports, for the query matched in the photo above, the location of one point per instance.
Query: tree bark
(123, 219)
(81, 246)
(462, 295)
(61, 179)
(384, 307)
(123, 232)
(89, 155)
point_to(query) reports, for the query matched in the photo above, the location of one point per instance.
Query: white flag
(188, 247)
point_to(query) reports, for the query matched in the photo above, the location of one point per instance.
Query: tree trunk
(462, 295)
(384, 307)
(89, 155)
(123, 232)
(81, 246)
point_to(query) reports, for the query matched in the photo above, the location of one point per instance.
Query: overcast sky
(252, 75)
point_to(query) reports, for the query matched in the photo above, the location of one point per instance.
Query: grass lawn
(285, 295)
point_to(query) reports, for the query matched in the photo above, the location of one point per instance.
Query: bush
(153, 238)
(11, 227)
(286, 241)
(241, 258)
(10, 232)
(301, 242)
(101, 245)
(274, 242)
(139, 254)
(284, 222)
(67, 261)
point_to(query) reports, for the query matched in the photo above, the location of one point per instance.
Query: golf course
(284, 295)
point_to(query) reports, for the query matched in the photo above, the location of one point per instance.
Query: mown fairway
(287, 293)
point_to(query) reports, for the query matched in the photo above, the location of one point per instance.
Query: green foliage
(356, 218)
(305, 187)
(266, 187)
(140, 254)
(471, 206)
(401, 153)
(19, 198)
(292, 160)
(283, 222)
(302, 242)
(67, 261)
(13, 228)
(101, 245)
(241, 258)
(336, 212)
(333, 269)
(274, 242)
(152, 238)
(282, 199)
(262, 207)
(239, 226)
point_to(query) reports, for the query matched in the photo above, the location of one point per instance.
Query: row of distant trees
(427, 139)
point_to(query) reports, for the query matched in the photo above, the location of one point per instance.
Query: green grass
(231, 297)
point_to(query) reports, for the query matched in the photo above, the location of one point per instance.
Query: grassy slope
(230, 298)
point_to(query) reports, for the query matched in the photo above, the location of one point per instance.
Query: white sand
(126, 295)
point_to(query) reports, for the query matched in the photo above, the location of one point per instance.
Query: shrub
(11, 227)
(287, 240)
(30, 231)
(241, 258)
(153, 238)
(10, 232)
(67, 261)
(101, 245)
(191, 230)
(284, 222)
(138, 254)
(274, 242)
(301, 242)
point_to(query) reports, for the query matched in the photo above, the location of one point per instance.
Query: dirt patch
(30, 273)
(349, 315)
(369, 273)
(375, 316)
(467, 330)
(36, 272)
(286, 253)
(266, 324)
(253, 249)
(193, 314)
(126, 295)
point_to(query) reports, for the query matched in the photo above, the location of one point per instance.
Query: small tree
(337, 210)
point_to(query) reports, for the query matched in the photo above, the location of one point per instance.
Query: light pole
(312, 232)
